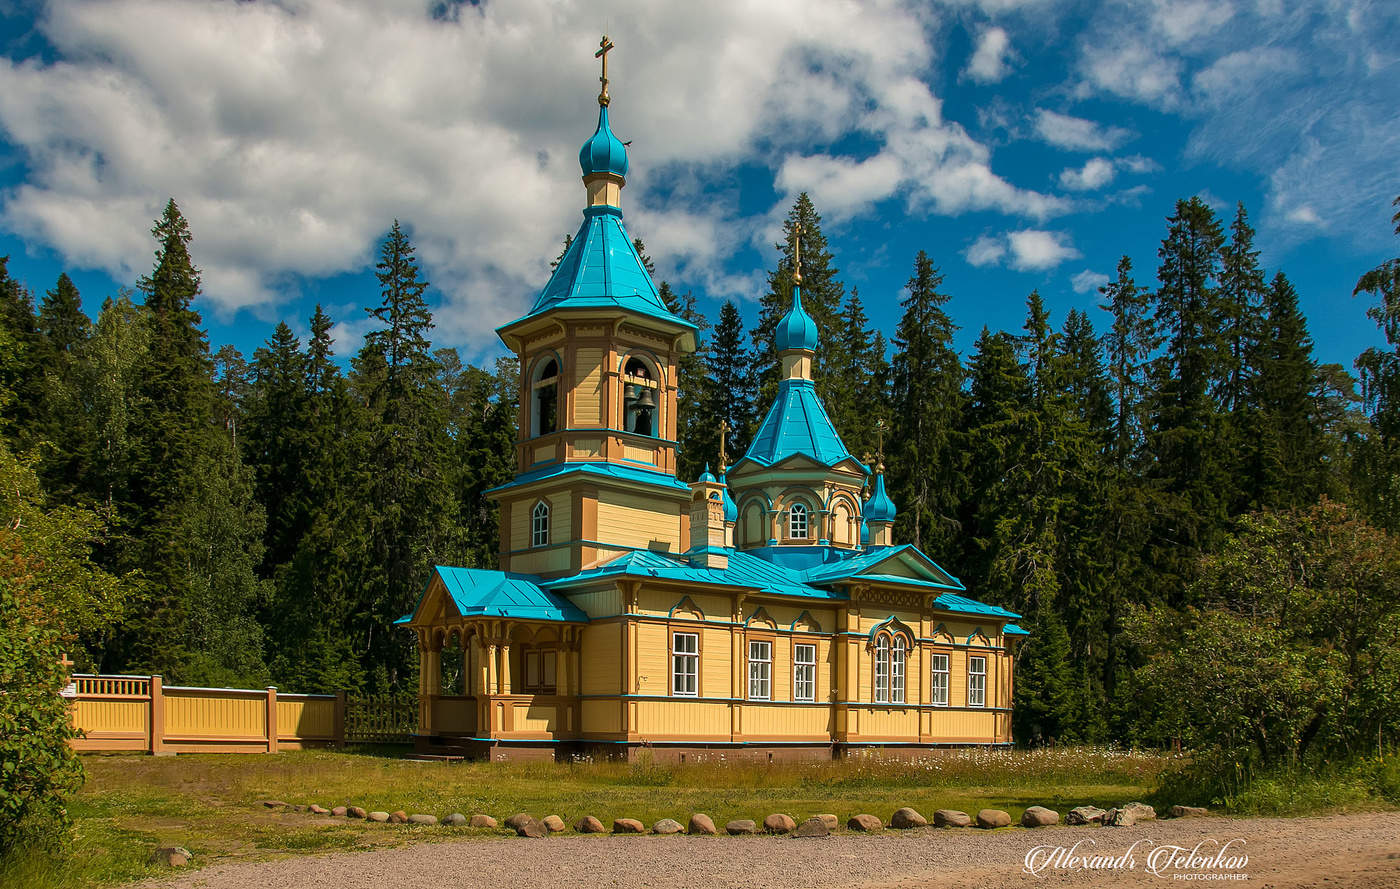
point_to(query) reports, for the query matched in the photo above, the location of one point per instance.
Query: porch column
(506, 686)
(561, 667)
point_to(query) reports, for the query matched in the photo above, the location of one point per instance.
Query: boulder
(1118, 818)
(276, 804)
(399, 817)
(951, 818)
(666, 827)
(170, 856)
(740, 827)
(865, 823)
(456, 819)
(518, 818)
(779, 823)
(1039, 816)
(485, 821)
(812, 827)
(628, 825)
(355, 812)
(905, 818)
(1085, 815)
(588, 824)
(1187, 811)
(340, 811)
(318, 810)
(830, 821)
(989, 819)
(531, 827)
(378, 817)
(702, 825)
(553, 823)
(1142, 811)
(422, 819)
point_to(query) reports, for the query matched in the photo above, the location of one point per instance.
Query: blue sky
(1022, 144)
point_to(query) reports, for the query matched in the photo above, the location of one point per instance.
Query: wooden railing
(141, 713)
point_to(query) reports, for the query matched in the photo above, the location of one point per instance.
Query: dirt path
(1336, 851)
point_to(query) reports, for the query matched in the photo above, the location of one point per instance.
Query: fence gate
(380, 719)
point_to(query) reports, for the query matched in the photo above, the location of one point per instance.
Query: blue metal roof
(964, 605)
(599, 469)
(603, 152)
(797, 423)
(479, 593)
(601, 269)
(744, 571)
(879, 508)
(1014, 630)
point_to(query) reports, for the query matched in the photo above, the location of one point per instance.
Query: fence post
(272, 719)
(339, 726)
(156, 733)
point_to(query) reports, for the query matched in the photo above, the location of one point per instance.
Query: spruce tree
(1128, 345)
(1240, 302)
(691, 418)
(22, 367)
(1290, 444)
(64, 424)
(926, 472)
(729, 391)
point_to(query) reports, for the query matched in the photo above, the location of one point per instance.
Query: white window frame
(685, 665)
(760, 670)
(977, 681)
(796, 512)
(938, 689)
(898, 653)
(804, 672)
(539, 525)
(882, 669)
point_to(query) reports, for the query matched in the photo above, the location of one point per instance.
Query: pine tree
(927, 399)
(65, 331)
(1128, 345)
(729, 391)
(1290, 471)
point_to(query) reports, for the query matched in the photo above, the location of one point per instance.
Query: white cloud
(1024, 250)
(1096, 173)
(991, 61)
(1133, 70)
(291, 154)
(1236, 76)
(1088, 281)
(1076, 133)
(1181, 21)
(1304, 215)
(1033, 250)
(986, 250)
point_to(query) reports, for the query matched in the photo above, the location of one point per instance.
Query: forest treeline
(263, 519)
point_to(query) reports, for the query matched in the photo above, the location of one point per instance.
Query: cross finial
(880, 445)
(797, 254)
(723, 447)
(603, 46)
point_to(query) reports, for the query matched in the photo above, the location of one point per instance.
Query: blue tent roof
(480, 593)
(601, 269)
(618, 471)
(797, 423)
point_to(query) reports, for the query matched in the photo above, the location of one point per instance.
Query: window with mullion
(897, 670)
(882, 669)
(939, 688)
(804, 672)
(685, 664)
(977, 682)
(760, 671)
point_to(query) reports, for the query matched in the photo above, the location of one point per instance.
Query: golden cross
(797, 254)
(880, 444)
(723, 449)
(603, 46)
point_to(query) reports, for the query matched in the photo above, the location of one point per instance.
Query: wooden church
(762, 613)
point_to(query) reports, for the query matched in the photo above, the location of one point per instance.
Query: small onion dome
(864, 533)
(708, 476)
(731, 509)
(879, 508)
(796, 330)
(603, 152)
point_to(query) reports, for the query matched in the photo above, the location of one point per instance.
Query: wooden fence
(142, 713)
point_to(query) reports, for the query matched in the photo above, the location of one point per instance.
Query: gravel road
(1335, 851)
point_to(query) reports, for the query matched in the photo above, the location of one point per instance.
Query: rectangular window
(976, 682)
(685, 664)
(897, 671)
(804, 672)
(882, 670)
(760, 671)
(940, 680)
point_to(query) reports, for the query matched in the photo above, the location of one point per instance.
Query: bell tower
(598, 352)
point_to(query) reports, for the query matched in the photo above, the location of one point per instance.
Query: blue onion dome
(796, 330)
(731, 509)
(603, 152)
(879, 508)
(708, 476)
(864, 533)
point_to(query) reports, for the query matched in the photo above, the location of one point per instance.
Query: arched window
(639, 398)
(797, 521)
(890, 650)
(539, 525)
(544, 398)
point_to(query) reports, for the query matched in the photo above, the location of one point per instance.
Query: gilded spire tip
(797, 255)
(603, 46)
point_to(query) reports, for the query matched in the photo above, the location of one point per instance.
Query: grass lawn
(210, 803)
